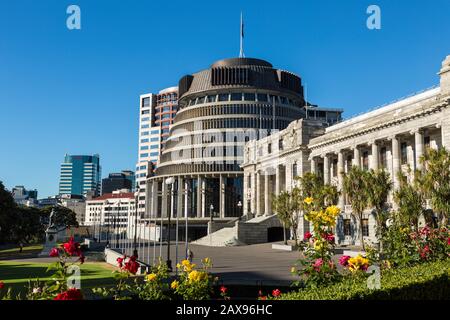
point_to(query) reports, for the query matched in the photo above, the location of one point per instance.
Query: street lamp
(211, 208)
(170, 182)
(136, 194)
(239, 204)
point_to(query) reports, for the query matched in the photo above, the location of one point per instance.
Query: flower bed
(425, 281)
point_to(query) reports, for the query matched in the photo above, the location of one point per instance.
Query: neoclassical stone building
(391, 137)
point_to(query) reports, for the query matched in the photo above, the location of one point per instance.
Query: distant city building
(156, 115)
(117, 181)
(80, 174)
(75, 203)
(114, 209)
(130, 176)
(24, 197)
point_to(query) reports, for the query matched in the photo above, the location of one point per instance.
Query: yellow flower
(185, 262)
(358, 263)
(308, 200)
(318, 245)
(188, 266)
(174, 284)
(196, 276)
(150, 277)
(206, 261)
(178, 266)
(293, 270)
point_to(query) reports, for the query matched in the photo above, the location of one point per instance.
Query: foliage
(63, 216)
(436, 181)
(355, 187)
(194, 284)
(316, 267)
(429, 280)
(379, 186)
(286, 206)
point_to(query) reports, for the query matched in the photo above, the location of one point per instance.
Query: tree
(410, 199)
(355, 186)
(285, 206)
(7, 210)
(436, 164)
(63, 216)
(378, 187)
(312, 186)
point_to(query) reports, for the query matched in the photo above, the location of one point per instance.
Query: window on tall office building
(144, 140)
(249, 96)
(236, 96)
(144, 148)
(154, 132)
(211, 98)
(145, 112)
(223, 97)
(154, 154)
(146, 102)
(144, 133)
(144, 155)
(144, 126)
(262, 97)
(154, 139)
(154, 146)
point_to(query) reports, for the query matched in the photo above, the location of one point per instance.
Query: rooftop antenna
(241, 38)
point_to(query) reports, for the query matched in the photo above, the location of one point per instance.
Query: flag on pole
(241, 51)
(242, 26)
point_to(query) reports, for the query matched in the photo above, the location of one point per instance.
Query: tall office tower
(117, 181)
(156, 114)
(80, 174)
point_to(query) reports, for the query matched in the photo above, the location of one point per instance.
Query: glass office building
(80, 174)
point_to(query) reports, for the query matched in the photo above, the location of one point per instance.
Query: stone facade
(393, 137)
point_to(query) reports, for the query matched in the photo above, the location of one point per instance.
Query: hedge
(427, 281)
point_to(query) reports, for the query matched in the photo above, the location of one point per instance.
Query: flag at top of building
(241, 52)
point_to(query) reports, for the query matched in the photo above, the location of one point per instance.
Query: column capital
(353, 147)
(372, 142)
(416, 130)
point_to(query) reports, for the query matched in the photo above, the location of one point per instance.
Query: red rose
(72, 248)
(2, 285)
(448, 241)
(223, 289)
(71, 294)
(120, 261)
(308, 235)
(329, 237)
(276, 293)
(54, 252)
(131, 265)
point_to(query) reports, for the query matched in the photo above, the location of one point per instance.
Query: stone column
(164, 193)
(204, 197)
(313, 166)
(326, 169)
(340, 174)
(418, 137)
(267, 205)
(253, 194)
(246, 178)
(222, 196)
(258, 194)
(356, 157)
(395, 162)
(154, 205)
(180, 192)
(277, 180)
(199, 196)
(375, 156)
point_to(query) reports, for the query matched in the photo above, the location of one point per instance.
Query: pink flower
(276, 293)
(2, 285)
(448, 241)
(343, 261)
(329, 237)
(54, 252)
(317, 264)
(308, 235)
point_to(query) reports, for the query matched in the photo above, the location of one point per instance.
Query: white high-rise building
(156, 114)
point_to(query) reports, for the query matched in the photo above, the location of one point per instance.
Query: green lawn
(14, 250)
(16, 274)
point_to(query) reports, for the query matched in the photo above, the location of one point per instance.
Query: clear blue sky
(77, 92)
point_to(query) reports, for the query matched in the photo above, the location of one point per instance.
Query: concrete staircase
(221, 238)
(243, 232)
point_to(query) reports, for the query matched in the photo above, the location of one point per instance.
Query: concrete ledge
(284, 247)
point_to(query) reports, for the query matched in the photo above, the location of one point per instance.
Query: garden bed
(427, 281)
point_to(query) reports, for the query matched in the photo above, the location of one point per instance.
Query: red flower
(424, 252)
(131, 265)
(448, 241)
(329, 237)
(223, 289)
(54, 252)
(120, 261)
(318, 264)
(71, 294)
(343, 261)
(263, 298)
(276, 293)
(2, 285)
(308, 235)
(82, 258)
(72, 248)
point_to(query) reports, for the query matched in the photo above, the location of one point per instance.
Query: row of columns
(164, 194)
(373, 159)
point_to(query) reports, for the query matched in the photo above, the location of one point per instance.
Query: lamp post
(109, 221)
(118, 225)
(239, 205)
(136, 205)
(170, 182)
(186, 186)
(211, 208)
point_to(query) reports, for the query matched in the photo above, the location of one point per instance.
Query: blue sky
(77, 91)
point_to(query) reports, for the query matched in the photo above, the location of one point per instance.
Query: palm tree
(355, 186)
(285, 205)
(436, 165)
(378, 187)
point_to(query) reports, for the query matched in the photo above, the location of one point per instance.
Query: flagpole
(241, 51)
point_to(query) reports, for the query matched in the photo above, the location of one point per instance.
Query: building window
(366, 160)
(349, 162)
(365, 227)
(404, 152)
(144, 148)
(280, 144)
(335, 165)
(236, 96)
(294, 170)
(262, 97)
(347, 227)
(249, 96)
(145, 112)
(223, 97)
(269, 148)
(146, 102)
(426, 142)
(211, 98)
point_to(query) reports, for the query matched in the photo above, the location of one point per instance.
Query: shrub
(430, 280)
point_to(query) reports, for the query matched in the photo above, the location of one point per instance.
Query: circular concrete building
(220, 109)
